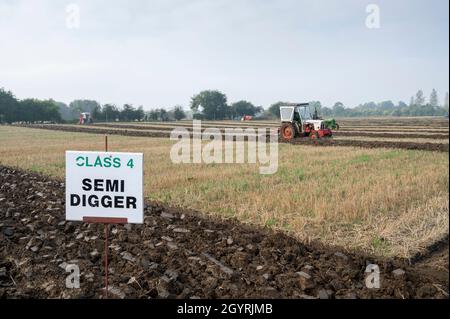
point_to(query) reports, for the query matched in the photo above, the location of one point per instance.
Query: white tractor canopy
(305, 113)
(286, 113)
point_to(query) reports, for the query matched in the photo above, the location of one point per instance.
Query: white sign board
(104, 185)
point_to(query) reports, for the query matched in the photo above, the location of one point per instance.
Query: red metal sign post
(106, 222)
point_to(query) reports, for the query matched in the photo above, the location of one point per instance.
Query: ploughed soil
(438, 147)
(178, 253)
(390, 134)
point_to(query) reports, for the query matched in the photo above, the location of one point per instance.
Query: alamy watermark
(373, 19)
(73, 18)
(373, 276)
(229, 145)
(73, 279)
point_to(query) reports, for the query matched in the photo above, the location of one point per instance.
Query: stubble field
(390, 202)
(376, 193)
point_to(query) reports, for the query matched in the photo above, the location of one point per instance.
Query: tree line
(212, 105)
(27, 110)
(418, 106)
(206, 105)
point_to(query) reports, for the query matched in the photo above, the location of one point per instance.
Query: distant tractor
(85, 118)
(247, 118)
(297, 121)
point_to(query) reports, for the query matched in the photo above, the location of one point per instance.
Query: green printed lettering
(116, 162)
(80, 158)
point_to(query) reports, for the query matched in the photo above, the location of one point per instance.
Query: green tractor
(328, 123)
(331, 124)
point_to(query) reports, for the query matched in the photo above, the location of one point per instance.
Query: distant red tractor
(85, 118)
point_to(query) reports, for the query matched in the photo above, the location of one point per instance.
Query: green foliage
(28, 110)
(33, 110)
(434, 101)
(420, 100)
(110, 112)
(66, 112)
(79, 106)
(8, 107)
(274, 109)
(416, 107)
(339, 109)
(129, 113)
(178, 113)
(153, 115)
(211, 104)
(243, 108)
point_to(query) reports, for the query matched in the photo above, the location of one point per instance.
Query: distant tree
(178, 113)
(402, 104)
(316, 104)
(79, 106)
(339, 109)
(259, 110)
(213, 105)
(420, 99)
(412, 101)
(274, 109)
(434, 101)
(139, 114)
(163, 115)
(97, 113)
(51, 111)
(8, 106)
(127, 112)
(64, 111)
(386, 105)
(446, 102)
(396, 112)
(326, 111)
(370, 105)
(110, 112)
(153, 115)
(33, 110)
(243, 108)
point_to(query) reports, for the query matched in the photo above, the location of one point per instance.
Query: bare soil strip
(438, 147)
(221, 125)
(179, 254)
(391, 134)
(373, 144)
(397, 134)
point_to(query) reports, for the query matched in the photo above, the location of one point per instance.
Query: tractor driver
(297, 117)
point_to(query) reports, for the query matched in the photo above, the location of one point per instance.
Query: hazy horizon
(160, 53)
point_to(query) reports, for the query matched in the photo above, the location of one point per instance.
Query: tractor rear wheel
(287, 131)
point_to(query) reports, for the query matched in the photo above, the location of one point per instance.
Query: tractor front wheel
(287, 131)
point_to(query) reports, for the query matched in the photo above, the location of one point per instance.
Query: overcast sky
(159, 53)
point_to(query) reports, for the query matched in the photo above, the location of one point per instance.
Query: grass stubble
(385, 201)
